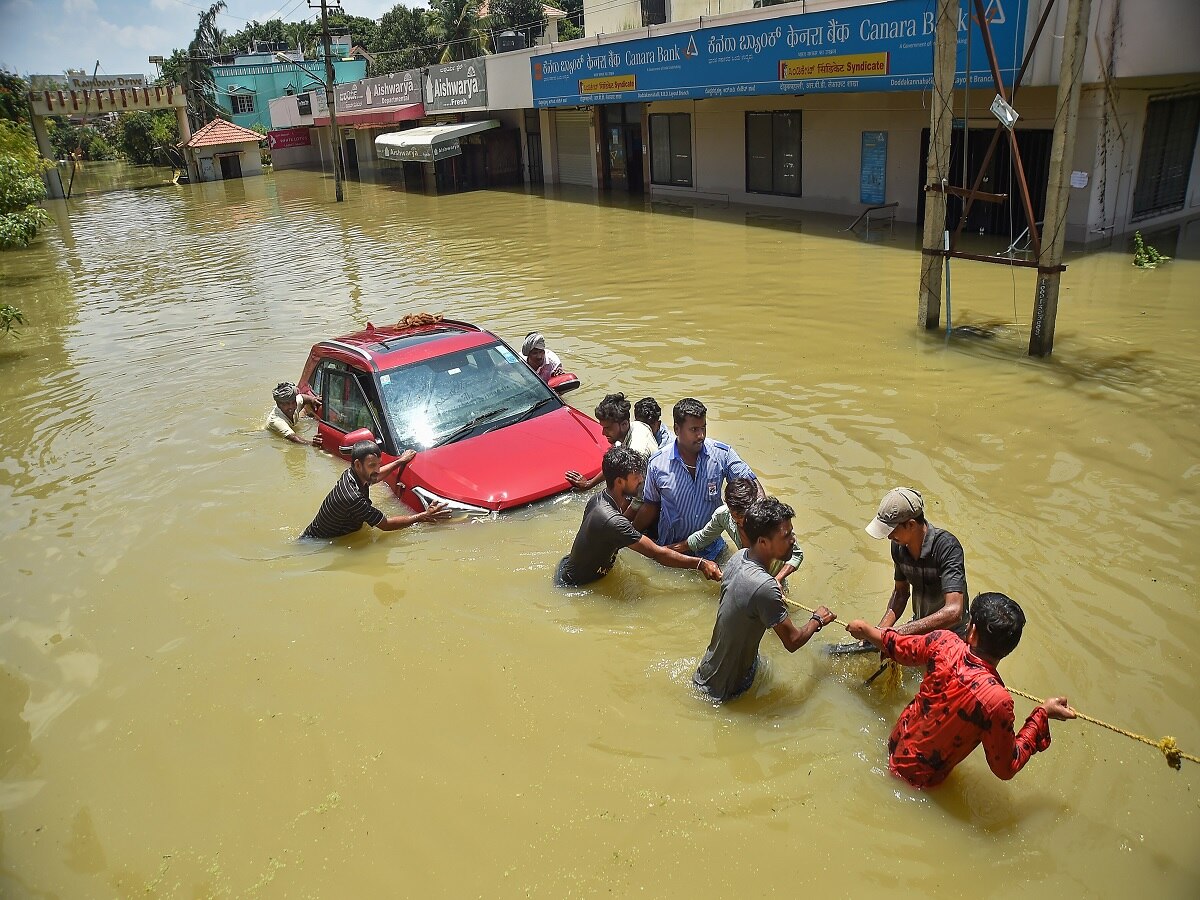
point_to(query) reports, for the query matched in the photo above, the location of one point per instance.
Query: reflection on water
(193, 704)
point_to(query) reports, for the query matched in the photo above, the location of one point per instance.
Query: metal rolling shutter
(575, 157)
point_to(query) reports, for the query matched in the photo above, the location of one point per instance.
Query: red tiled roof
(218, 131)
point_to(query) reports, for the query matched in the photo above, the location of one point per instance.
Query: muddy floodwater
(192, 704)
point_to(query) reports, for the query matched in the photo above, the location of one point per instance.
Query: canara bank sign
(881, 47)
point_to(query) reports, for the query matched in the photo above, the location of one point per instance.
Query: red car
(489, 434)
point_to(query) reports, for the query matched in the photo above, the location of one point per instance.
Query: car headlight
(456, 507)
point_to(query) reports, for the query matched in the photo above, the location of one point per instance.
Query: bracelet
(699, 563)
(817, 619)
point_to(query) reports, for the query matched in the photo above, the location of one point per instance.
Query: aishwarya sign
(443, 149)
(289, 137)
(878, 47)
(454, 87)
(399, 89)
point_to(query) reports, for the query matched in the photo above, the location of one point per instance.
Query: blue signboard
(873, 170)
(882, 47)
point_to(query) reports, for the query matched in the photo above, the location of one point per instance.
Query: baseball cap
(899, 506)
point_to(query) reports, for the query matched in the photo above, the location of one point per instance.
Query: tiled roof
(218, 131)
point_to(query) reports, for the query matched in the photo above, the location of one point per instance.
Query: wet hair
(998, 622)
(647, 410)
(740, 494)
(613, 408)
(764, 518)
(360, 450)
(688, 406)
(621, 462)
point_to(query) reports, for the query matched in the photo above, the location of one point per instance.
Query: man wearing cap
(544, 362)
(289, 405)
(929, 566)
(348, 506)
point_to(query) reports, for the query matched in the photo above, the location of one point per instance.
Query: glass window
(461, 395)
(242, 104)
(671, 148)
(344, 406)
(1168, 145)
(773, 144)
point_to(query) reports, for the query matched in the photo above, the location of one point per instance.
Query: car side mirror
(363, 434)
(564, 383)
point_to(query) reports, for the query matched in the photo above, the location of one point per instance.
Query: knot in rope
(1172, 752)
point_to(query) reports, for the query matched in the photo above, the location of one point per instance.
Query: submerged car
(489, 434)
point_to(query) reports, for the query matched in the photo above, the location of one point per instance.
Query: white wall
(251, 159)
(509, 83)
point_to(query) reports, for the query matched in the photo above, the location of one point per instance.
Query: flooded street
(193, 704)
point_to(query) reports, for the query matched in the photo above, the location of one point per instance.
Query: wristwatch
(817, 619)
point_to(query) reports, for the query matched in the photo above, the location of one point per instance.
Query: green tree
(205, 46)
(571, 27)
(141, 135)
(21, 186)
(13, 106)
(403, 41)
(458, 29)
(522, 16)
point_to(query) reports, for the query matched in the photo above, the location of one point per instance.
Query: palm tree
(204, 46)
(458, 27)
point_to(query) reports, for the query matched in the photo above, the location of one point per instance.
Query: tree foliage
(12, 97)
(21, 186)
(404, 41)
(142, 135)
(523, 16)
(205, 46)
(458, 29)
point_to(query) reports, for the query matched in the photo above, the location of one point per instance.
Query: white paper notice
(1079, 179)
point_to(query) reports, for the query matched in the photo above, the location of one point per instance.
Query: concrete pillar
(54, 188)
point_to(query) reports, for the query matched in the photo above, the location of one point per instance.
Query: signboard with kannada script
(880, 47)
(454, 87)
(399, 89)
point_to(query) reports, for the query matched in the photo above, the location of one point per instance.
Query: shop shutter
(576, 160)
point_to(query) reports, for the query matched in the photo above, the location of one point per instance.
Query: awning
(377, 116)
(429, 143)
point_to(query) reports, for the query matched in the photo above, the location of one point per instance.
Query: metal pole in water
(946, 241)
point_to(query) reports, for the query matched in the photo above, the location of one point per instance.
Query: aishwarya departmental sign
(399, 89)
(881, 47)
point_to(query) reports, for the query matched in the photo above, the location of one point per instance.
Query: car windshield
(455, 396)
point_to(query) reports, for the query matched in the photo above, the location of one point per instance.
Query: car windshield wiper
(461, 432)
(529, 412)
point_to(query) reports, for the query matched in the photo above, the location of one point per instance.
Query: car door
(344, 406)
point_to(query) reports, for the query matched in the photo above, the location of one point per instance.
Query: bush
(21, 186)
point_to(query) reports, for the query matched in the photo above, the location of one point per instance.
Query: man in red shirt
(962, 702)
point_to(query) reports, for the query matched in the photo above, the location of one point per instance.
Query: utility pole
(937, 168)
(1054, 232)
(335, 133)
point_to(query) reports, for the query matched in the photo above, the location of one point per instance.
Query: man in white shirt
(289, 405)
(544, 362)
(613, 415)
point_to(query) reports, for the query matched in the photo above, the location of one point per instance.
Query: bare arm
(667, 557)
(398, 463)
(432, 514)
(897, 603)
(645, 517)
(579, 483)
(947, 617)
(794, 638)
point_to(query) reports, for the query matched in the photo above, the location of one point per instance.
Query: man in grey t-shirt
(752, 602)
(928, 563)
(605, 530)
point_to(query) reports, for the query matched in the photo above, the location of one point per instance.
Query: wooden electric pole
(335, 133)
(1054, 232)
(937, 168)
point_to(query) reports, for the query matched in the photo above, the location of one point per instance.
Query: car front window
(431, 402)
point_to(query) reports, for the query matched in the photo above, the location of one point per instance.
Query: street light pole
(335, 134)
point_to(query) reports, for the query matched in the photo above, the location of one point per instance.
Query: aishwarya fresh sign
(879, 47)
(443, 149)
(456, 86)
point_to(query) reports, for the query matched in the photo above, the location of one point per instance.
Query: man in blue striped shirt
(684, 480)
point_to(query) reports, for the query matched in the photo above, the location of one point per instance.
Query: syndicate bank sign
(876, 47)
(454, 87)
(400, 89)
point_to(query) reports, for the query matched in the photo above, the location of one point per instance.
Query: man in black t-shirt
(605, 530)
(928, 563)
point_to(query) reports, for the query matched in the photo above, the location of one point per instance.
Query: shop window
(773, 153)
(1168, 146)
(242, 104)
(671, 149)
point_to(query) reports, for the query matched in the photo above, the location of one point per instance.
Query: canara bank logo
(994, 14)
(537, 71)
(691, 50)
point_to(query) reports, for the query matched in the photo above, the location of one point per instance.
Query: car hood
(514, 465)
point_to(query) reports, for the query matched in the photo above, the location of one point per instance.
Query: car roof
(386, 347)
